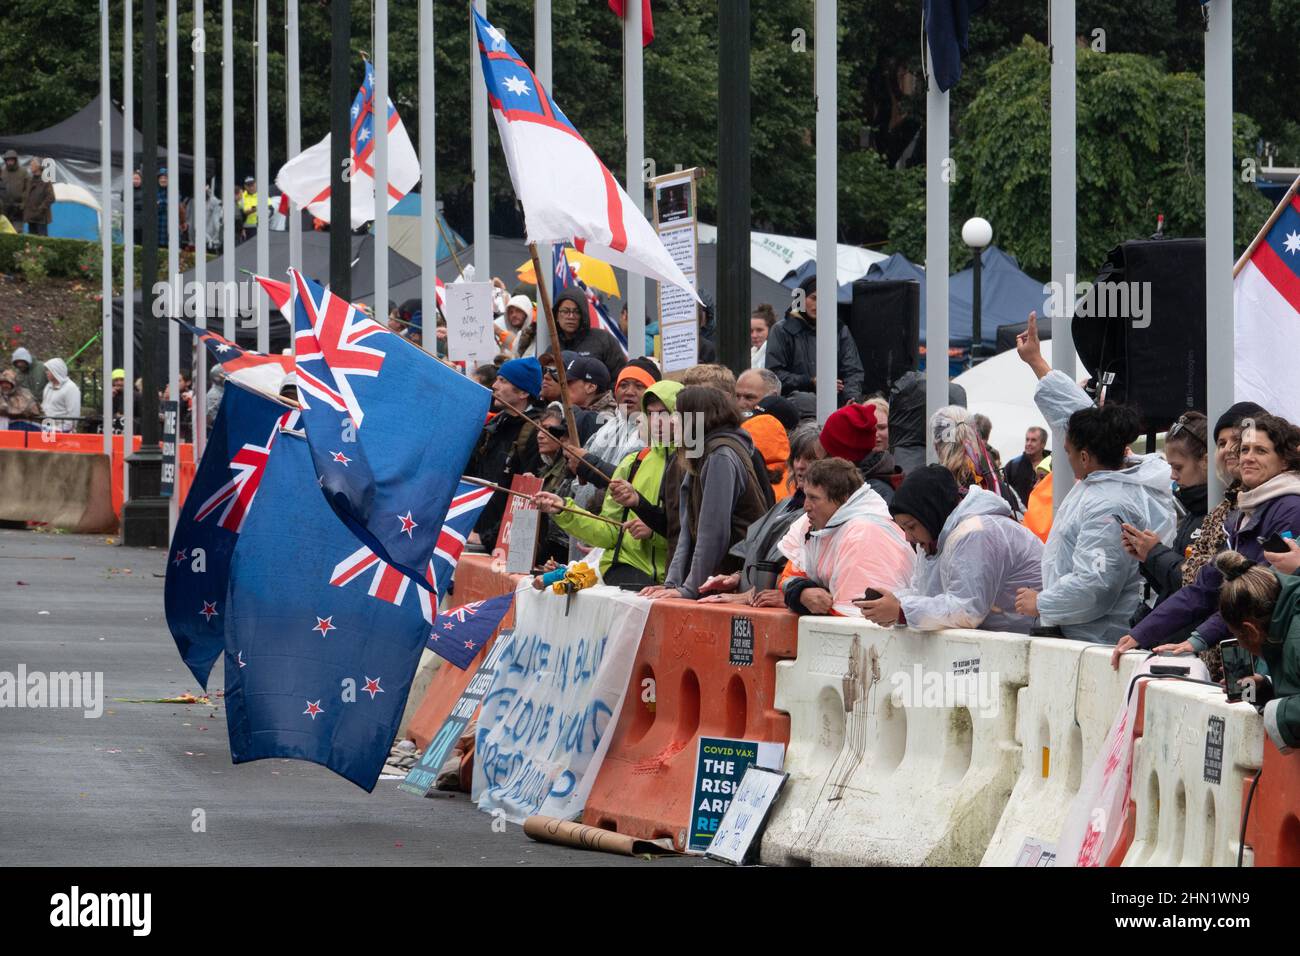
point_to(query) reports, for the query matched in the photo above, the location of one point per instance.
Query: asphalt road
(123, 789)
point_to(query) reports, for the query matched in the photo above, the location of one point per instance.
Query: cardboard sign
(468, 310)
(720, 764)
(521, 549)
(421, 778)
(171, 417)
(746, 817)
(528, 485)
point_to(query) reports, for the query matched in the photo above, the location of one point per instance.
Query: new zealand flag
(198, 567)
(460, 633)
(390, 428)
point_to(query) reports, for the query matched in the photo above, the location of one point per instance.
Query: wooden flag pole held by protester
(545, 298)
(575, 450)
(530, 498)
(1259, 236)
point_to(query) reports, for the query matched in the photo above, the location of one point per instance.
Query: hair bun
(1233, 565)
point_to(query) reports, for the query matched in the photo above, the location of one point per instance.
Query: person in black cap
(588, 382)
(973, 558)
(782, 409)
(792, 348)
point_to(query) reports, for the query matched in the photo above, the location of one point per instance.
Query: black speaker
(885, 322)
(1143, 323)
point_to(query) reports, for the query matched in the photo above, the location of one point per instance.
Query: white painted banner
(546, 723)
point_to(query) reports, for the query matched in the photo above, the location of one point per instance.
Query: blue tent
(1008, 295)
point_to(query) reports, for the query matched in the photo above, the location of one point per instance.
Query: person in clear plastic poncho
(1091, 586)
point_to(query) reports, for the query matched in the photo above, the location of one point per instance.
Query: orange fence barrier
(1273, 828)
(684, 686)
(475, 581)
(84, 444)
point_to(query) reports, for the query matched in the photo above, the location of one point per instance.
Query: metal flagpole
(542, 43)
(826, 53)
(428, 188)
(1220, 324)
(380, 115)
(200, 231)
(634, 113)
(261, 174)
(230, 299)
(293, 124)
(340, 149)
(106, 226)
(1063, 217)
(128, 245)
(479, 154)
(937, 171)
(173, 239)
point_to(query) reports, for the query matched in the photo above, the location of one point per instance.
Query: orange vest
(1038, 513)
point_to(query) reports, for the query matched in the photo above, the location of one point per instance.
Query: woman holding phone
(1267, 505)
(1259, 606)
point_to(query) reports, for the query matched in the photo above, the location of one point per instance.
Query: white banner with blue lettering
(547, 721)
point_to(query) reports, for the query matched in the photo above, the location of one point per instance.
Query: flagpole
(527, 497)
(479, 154)
(1259, 236)
(542, 43)
(293, 131)
(128, 244)
(199, 426)
(1064, 213)
(380, 116)
(106, 225)
(1220, 321)
(229, 299)
(428, 189)
(825, 16)
(544, 297)
(634, 111)
(174, 241)
(261, 174)
(340, 149)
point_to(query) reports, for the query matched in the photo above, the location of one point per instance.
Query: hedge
(68, 254)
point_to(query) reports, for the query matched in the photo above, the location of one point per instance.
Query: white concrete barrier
(1188, 767)
(902, 744)
(1062, 718)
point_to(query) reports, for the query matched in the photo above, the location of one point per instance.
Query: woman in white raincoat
(974, 558)
(1091, 586)
(844, 541)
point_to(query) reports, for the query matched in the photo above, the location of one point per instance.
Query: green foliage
(1141, 152)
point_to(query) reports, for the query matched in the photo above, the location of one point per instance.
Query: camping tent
(75, 213)
(404, 226)
(1003, 389)
(1008, 295)
(73, 144)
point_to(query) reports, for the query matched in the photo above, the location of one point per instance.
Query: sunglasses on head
(1182, 427)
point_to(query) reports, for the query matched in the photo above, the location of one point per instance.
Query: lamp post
(977, 234)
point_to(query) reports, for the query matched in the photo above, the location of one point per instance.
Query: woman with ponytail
(1259, 607)
(1090, 585)
(960, 449)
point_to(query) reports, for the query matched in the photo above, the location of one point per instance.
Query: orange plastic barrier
(1273, 828)
(646, 783)
(475, 581)
(84, 444)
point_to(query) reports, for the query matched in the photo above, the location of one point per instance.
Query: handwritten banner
(468, 309)
(546, 723)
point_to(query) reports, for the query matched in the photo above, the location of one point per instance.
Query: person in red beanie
(850, 433)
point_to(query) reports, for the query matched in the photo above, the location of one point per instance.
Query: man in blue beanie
(508, 446)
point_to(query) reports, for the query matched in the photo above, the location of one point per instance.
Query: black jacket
(1019, 474)
(877, 470)
(1163, 568)
(792, 356)
(588, 341)
(507, 447)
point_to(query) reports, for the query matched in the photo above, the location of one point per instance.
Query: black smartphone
(1119, 519)
(1276, 543)
(871, 594)
(1171, 670)
(1237, 663)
